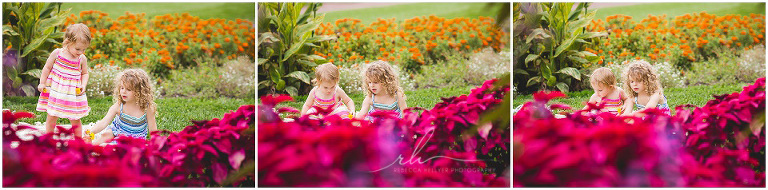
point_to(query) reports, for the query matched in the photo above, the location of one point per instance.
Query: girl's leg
(50, 123)
(78, 127)
(106, 136)
(341, 111)
(311, 110)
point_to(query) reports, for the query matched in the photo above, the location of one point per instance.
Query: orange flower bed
(164, 42)
(412, 42)
(680, 40)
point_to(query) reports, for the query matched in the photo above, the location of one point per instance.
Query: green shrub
(549, 43)
(102, 80)
(713, 72)
(237, 78)
(191, 82)
(30, 31)
(459, 70)
(751, 64)
(233, 79)
(285, 42)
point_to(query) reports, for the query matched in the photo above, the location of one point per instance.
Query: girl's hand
(41, 87)
(79, 90)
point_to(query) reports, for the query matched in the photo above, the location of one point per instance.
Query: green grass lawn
(640, 11)
(229, 11)
(425, 98)
(173, 113)
(410, 10)
(696, 95)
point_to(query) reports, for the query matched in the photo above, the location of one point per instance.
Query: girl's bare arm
(308, 102)
(346, 99)
(364, 108)
(104, 122)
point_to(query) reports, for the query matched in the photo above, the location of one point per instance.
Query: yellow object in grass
(90, 134)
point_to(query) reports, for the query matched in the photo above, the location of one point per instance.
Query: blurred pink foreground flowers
(217, 152)
(427, 149)
(721, 144)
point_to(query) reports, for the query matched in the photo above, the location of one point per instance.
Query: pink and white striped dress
(61, 99)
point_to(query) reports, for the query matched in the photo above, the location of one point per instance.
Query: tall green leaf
(570, 71)
(301, 75)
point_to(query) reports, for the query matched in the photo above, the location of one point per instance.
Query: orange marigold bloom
(129, 49)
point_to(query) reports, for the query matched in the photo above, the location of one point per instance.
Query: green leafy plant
(461, 70)
(549, 45)
(285, 46)
(29, 34)
(102, 80)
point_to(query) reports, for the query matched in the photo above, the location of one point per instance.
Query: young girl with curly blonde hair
(644, 86)
(134, 110)
(382, 90)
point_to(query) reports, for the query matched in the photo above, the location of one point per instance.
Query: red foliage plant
(201, 155)
(720, 144)
(419, 150)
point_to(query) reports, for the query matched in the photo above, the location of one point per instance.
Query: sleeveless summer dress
(61, 99)
(663, 107)
(383, 107)
(328, 106)
(127, 125)
(613, 105)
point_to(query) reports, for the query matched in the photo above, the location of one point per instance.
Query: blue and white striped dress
(384, 107)
(127, 125)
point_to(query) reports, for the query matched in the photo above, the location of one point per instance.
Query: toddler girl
(382, 90)
(326, 97)
(645, 87)
(133, 113)
(63, 80)
(604, 83)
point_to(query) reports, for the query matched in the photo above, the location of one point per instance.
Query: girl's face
(636, 85)
(77, 49)
(375, 87)
(327, 87)
(601, 90)
(128, 95)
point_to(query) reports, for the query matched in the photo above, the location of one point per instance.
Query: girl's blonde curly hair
(138, 81)
(381, 72)
(641, 71)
